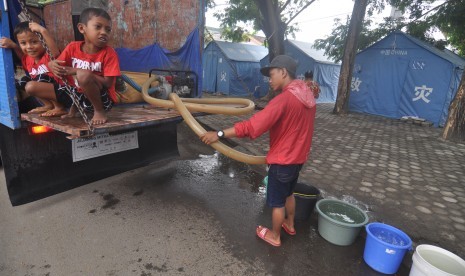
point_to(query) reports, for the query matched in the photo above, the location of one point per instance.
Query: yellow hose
(207, 106)
(201, 105)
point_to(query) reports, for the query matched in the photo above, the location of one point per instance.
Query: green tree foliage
(273, 17)
(421, 19)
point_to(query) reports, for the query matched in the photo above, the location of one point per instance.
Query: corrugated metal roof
(242, 52)
(307, 48)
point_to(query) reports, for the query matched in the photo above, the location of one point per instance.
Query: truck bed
(120, 118)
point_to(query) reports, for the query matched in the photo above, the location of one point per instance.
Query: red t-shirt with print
(104, 63)
(41, 67)
(36, 68)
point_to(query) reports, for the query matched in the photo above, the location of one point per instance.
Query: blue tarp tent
(232, 68)
(154, 56)
(325, 72)
(402, 76)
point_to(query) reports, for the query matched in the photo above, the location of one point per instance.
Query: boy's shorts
(39, 78)
(65, 99)
(281, 183)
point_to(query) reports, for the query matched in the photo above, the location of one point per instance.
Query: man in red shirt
(289, 118)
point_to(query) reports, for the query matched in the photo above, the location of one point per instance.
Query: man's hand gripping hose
(186, 105)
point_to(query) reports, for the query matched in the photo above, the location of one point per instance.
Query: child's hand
(57, 68)
(36, 27)
(5, 42)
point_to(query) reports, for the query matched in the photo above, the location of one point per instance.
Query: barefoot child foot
(56, 112)
(41, 109)
(99, 118)
(71, 114)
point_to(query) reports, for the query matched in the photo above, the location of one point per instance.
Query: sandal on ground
(261, 233)
(287, 230)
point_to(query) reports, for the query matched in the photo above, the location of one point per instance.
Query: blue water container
(385, 247)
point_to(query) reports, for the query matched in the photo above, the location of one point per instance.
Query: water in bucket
(385, 247)
(433, 260)
(390, 238)
(340, 217)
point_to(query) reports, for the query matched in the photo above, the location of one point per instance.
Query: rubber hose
(201, 105)
(199, 130)
(136, 86)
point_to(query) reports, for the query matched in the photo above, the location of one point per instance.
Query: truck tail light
(38, 129)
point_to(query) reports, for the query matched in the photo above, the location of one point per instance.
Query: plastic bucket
(306, 197)
(339, 222)
(433, 260)
(385, 247)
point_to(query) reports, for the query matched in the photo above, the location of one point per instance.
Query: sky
(314, 22)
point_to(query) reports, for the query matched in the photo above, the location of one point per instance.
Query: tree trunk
(350, 50)
(272, 26)
(455, 126)
(274, 30)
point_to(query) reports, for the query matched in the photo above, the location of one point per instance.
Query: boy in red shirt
(313, 85)
(39, 81)
(93, 64)
(289, 118)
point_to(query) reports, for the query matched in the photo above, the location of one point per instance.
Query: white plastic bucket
(432, 260)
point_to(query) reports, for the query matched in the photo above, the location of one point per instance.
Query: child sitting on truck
(39, 81)
(93, 64)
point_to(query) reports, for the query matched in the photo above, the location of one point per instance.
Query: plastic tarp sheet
(325, 73)
(450, 96)
(424, 96)
(400, 76)
(232, 69)
(188, 58)
(384, 77)
(210, 67)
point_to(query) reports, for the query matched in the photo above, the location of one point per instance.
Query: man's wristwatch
(220, 134)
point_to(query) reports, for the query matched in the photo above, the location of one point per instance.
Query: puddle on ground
(248, 179)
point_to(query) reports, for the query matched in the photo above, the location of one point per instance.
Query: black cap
(281, 61)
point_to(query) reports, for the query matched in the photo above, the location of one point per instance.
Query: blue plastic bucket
(385, 247)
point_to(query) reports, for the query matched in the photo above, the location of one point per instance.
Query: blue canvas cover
(232, 68)
(325, 72)
(402, 76)
(154, 56)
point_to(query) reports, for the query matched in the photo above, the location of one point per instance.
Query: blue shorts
(281, 183)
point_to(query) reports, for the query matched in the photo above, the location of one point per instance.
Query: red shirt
(315, 88)
(104, 63)
(34, 69)
(41, 67)
(289, 117)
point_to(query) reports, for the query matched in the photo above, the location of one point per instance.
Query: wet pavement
(192, 216)
(197, 215)
(402, 174)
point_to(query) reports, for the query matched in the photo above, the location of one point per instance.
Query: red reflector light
(40, 129)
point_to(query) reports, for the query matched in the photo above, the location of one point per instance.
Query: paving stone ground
(401, 173)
